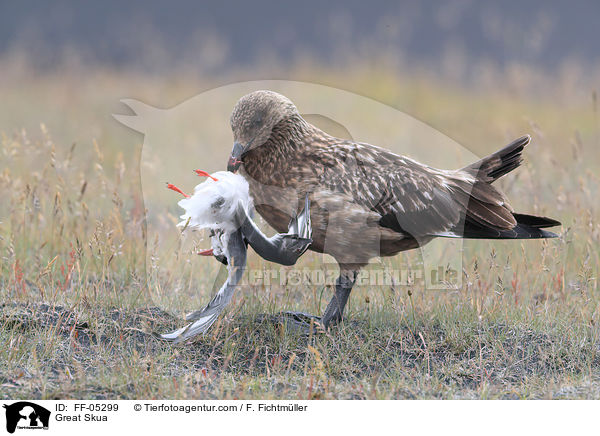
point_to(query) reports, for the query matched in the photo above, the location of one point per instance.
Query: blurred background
(458, 38)
(521, 52)
(409, 54)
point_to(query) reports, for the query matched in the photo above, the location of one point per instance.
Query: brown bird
(366, 201)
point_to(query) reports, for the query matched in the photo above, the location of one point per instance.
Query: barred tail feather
(502, 162)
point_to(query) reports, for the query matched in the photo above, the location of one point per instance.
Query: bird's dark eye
(258, 119)
(218, 203)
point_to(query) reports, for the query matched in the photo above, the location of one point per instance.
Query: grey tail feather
(496, 165)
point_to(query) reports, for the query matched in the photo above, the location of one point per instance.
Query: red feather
(205, 174)
(176, 189)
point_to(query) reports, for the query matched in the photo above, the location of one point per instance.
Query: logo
(26, 415)
(338, 113)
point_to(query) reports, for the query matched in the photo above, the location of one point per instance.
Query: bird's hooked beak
(235, 159)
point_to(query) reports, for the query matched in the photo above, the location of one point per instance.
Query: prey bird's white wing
(203, 319)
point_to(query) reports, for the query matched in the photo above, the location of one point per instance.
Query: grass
(78, 299)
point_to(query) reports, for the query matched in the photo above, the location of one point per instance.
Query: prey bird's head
(253, 119)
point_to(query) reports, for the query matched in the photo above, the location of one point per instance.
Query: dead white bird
(223, 204)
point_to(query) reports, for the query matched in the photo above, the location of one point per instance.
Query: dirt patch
(267, 347)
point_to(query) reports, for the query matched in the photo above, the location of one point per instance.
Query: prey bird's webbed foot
(282, 248)
(299, 235)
